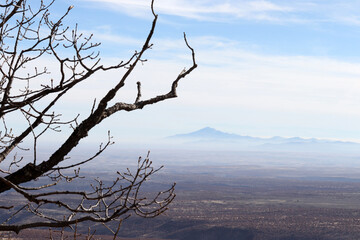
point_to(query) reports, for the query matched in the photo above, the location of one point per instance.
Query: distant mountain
(214, 139)
(209, 133)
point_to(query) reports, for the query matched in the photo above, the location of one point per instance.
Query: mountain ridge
(210, 133)
(212, 138)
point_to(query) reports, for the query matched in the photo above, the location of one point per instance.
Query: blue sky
(266, 68)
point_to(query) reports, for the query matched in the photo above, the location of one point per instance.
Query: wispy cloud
(210, 10)
(278, 11)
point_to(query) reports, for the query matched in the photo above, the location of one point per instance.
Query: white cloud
(201, 10)
(278, 11)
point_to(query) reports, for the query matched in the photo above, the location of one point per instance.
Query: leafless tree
(28, 34)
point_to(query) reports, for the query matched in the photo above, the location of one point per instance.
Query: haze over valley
(244, 190)
(250, 192)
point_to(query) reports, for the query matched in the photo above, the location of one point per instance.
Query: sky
(265, 67)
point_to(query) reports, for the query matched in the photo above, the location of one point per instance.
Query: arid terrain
(264, 197)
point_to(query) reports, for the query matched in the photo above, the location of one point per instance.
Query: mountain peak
(207, 133)
(207, 129)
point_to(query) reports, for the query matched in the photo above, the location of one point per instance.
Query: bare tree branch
(28, 33)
